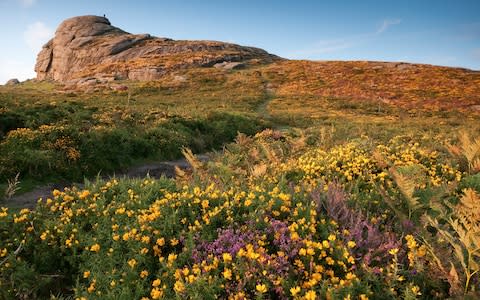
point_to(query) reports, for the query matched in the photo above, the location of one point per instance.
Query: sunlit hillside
(324, 180)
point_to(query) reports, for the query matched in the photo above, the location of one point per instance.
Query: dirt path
(262, 108)
(154, 170)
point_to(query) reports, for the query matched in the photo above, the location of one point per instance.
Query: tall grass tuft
(12, 187)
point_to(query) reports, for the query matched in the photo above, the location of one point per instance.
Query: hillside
(323, 179)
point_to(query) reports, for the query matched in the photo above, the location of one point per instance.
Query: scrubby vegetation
(348, 200)
(72, 138)
(278, 215)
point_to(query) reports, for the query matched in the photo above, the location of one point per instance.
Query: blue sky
(434, 32)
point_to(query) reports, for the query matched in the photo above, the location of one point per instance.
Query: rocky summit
(89, 48)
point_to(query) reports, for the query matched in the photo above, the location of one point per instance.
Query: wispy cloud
(36, 35)
(386, 24)
(327, 46)
(27, 3)
(333, 45)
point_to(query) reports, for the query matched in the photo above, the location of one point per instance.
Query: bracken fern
(460, 229)
(406, 185)
(469, 150)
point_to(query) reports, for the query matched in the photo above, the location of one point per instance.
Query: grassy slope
(375, 96)
(314, 91)
(354, 98)
(205, 101)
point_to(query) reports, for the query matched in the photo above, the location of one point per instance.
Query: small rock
(390, 64)
(87, 82)
(475, 108)
(146, 74)
(13, 81)
(403, 66)
(229, 65)
(119, 87)
(179, 78)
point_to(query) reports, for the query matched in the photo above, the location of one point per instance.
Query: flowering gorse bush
(273, 218)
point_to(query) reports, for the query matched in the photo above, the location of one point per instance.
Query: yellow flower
(143, 274)
(351, 244)
(227, 274)
(172, 257)
(295, 236)
(43, 236)
(132, 262)
(310, 295)
(205, 204)
(91, 288)
(156, 282)
(351, 260)
(241, 252)
(330, 261)
(261, 288)
(393, 251)
(156, 293)
(161, 242)
(179, 287)
(416, 290)
(56, 193)
(350, 276)
(411, 243)
(422, 250)
(95, 248)
(84, 194)
(227, 257)
(295, 290)
(174, 242)
(86, 274)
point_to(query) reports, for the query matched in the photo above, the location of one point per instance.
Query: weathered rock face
(90, 47)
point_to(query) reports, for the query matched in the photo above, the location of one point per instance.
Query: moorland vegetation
(326, 180)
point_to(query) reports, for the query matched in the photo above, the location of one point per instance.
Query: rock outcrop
(13, 81)
(89, 48)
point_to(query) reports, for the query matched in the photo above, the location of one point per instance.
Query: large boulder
(13, 81)
(90, 47)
